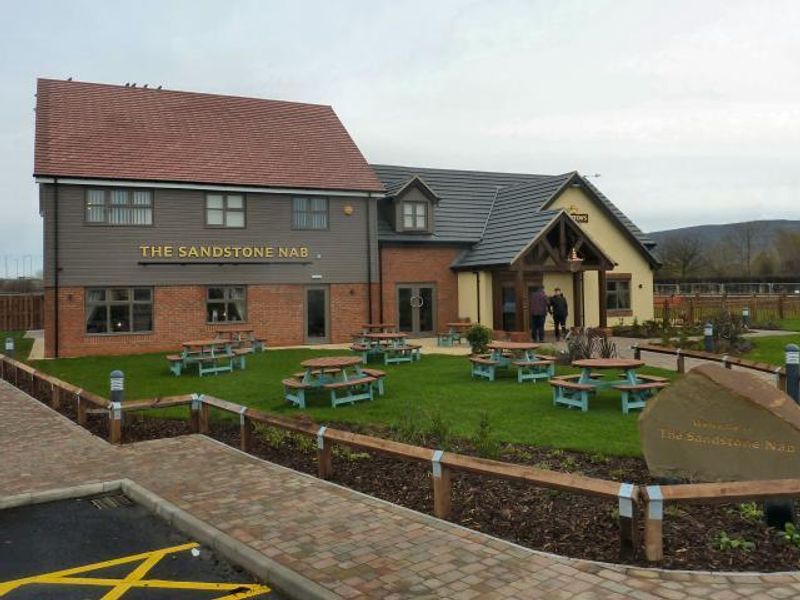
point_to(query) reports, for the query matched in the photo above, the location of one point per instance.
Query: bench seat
(652, 378)
(379, 377)
(534, 370)
(353, 390)
(175, 364)
(571, 393)
(635, 395)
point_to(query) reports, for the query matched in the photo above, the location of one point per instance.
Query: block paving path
(351, 544)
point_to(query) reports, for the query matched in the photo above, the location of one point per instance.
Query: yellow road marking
(147, 560)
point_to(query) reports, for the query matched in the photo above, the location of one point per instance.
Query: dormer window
(415, 216)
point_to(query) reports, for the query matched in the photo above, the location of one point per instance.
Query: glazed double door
(416, 309)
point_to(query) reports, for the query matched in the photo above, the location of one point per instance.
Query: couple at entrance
(540, 306)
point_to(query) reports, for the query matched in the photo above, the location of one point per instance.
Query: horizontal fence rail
(21, 312)
(697, 308)
(632, 499)
(728, 362)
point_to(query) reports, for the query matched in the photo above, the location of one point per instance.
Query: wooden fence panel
(21, 312)
(698, 309)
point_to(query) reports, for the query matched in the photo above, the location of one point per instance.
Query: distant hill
(712, 234)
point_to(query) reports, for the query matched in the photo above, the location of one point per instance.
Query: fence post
(324, 455)
(441, 487)
(681, 360)
(10, 347)
(55, 396)
(780, 306)
(117, 380)
(653, 525)
(202, 421)
(627, 520)
(708, 337)
(691, 310)
(793, 372)
(246, 430)
(80, 409)
(194, 413)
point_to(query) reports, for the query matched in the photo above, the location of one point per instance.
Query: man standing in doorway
(558, 306)
(539, 307)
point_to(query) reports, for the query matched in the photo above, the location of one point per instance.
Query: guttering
(55, 268)
(207, 187)
(369, 265)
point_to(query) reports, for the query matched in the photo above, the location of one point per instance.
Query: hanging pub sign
(578, 217)
(222, 252)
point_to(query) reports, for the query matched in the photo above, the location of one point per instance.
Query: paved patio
(348, 543)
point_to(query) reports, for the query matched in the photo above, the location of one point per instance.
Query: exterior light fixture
(348, 209)
(574, 261)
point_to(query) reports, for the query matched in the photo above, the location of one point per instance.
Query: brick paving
(351, 544)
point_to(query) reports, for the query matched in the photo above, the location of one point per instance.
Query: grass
(771, 349)
(519, 413)
(22, 345)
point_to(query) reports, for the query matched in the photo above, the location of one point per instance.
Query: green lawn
(22, 345)
(771, 349)
(521, 413)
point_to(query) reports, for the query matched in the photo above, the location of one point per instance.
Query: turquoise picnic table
(522, 355)
(574, 391)
(394, 347)
(342, 376)
(212, 356)
(453, 335)
(242, 337)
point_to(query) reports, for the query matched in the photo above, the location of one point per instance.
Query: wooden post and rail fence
(21, 312)
(699, 308)
(632, 499)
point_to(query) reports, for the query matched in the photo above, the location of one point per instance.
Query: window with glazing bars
(310, 213)
(119, 206)
(415, 215)
(225, 210)
(119, 310)
(225, 304)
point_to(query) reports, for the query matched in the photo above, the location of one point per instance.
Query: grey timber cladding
(466, 199)
(110, 255)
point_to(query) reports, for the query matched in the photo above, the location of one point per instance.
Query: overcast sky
(689, 111)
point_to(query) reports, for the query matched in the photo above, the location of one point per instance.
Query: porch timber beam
(577, 298)
(550, 250)
(522, 301)
(562, 241)
(601, 284)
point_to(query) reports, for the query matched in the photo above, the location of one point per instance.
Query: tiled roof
(92, 130)
(496, 213)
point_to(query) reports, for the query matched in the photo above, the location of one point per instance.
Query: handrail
(710, 356)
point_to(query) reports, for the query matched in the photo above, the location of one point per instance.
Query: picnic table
(454, 333)
(575, 390)
(530, 366)
(210, 355)
(393, 346)
(242, 337)
(379, 327)
(343, 376)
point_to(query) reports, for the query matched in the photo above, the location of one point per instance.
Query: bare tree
(682, 255)
(742, 245)
(787, 247)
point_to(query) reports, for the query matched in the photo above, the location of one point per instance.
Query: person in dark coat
(539, 308)
(559, 310)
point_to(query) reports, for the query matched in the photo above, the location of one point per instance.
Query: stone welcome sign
(715, 424)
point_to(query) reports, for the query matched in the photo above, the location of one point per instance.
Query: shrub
(791, 534)
(439, 431)
(725, 543)
(485, 444)
(750, 511)
(478, 337)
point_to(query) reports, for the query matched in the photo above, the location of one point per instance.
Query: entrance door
(416, 309)
(316, 321)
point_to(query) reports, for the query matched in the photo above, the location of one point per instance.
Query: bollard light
(10, 347)
(708, 337)
(746, 316)
(793, 372)
(117, 387)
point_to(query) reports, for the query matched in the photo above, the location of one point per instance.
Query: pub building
(172, 215)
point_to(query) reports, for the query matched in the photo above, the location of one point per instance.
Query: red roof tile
(115, 132)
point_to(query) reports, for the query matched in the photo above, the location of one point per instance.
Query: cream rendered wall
(468, 297)
(608, 235)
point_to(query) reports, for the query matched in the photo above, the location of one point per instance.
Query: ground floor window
(618, 293)
(226, 304)
(119, 310)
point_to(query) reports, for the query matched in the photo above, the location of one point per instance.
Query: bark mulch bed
(558, 522)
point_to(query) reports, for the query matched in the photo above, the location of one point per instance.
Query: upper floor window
(119, 206)
(225, 210)
(119, 310)
(618, 293)
(415, 215)
(310, 213)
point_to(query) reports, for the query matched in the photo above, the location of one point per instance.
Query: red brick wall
(275, 312)
(417, 264)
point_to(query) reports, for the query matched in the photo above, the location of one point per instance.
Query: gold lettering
(182, 251)
(283, 252)
(270, 252)
(247, 252)
(192, 252)
(258, 252)
(304, 252)
(168, 251)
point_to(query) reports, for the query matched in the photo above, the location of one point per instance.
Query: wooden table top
(459, 324)
(235, 330)
(379, 325)
(208, 342)
(329, 362)
(385, 336)
(607, 363)
(513, 345)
